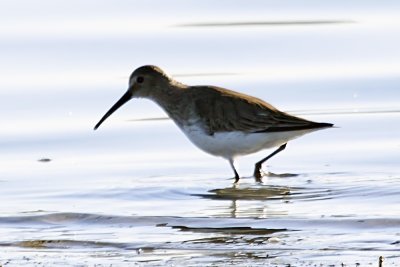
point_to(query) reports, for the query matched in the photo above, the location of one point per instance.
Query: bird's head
(145, 81)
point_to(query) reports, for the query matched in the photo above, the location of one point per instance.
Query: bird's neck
(170, 98)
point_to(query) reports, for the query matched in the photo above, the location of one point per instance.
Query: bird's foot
(258, 174)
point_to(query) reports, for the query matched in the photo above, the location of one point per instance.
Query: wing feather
(223, 110)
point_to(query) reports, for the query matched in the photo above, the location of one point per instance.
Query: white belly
(232, 144)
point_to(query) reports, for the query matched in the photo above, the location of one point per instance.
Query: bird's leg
(258, 173)
(234, 170)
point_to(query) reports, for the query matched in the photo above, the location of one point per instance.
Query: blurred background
(64, 63)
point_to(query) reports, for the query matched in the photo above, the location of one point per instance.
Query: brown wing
(224, 110)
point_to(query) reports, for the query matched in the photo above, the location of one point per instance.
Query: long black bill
(125, 98)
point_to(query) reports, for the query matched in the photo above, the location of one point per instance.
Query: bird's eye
(139, 79)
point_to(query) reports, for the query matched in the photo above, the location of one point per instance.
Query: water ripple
(246, 224)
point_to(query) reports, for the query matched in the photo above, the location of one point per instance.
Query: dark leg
(258, 171)
(234, 170)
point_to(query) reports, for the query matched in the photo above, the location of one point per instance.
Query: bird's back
(224, 110)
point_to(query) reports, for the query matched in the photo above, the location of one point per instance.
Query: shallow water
(136, 192)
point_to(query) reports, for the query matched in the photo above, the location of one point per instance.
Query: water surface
(136, 192)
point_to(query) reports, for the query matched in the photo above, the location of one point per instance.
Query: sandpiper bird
(218, 121)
